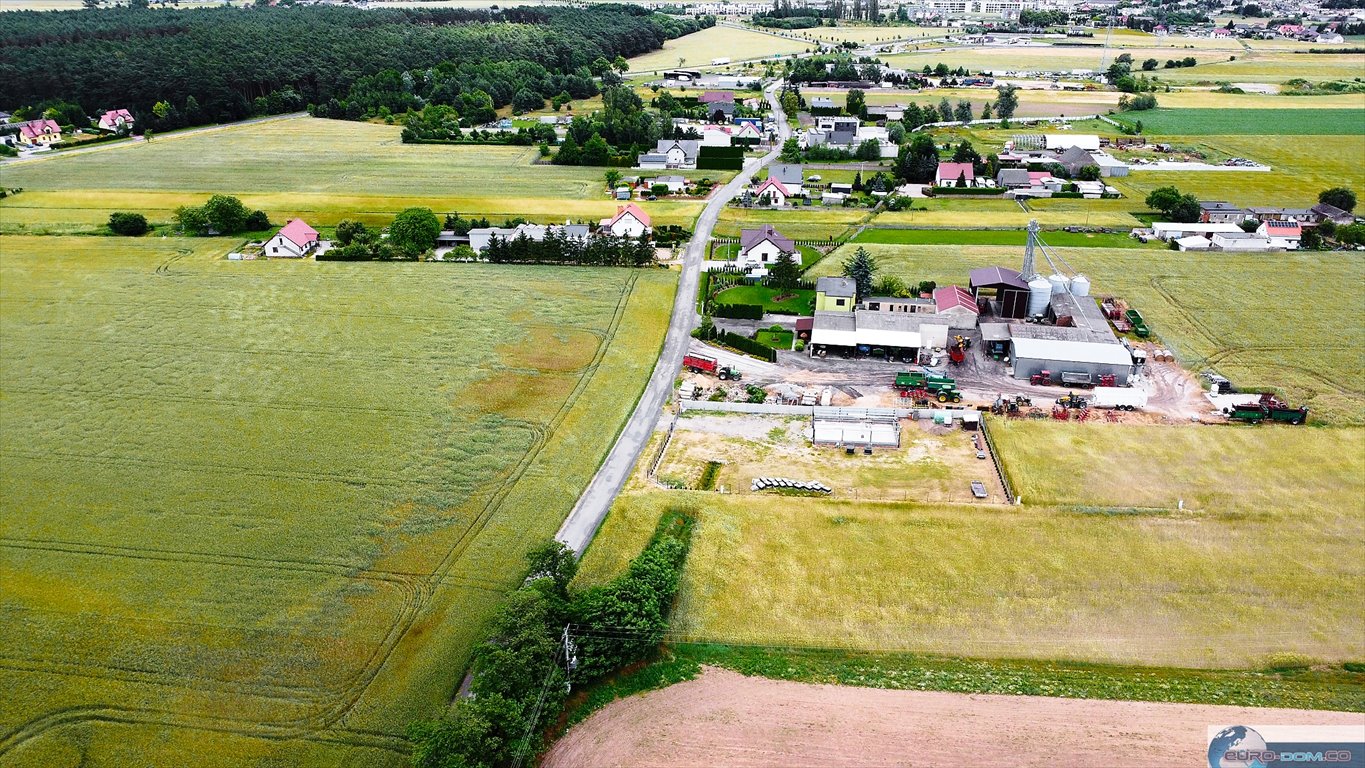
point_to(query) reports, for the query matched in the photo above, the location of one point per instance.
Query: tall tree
(861, 267)
(1340, 197)
(414, 230)
(1007, 101)
(786, 272)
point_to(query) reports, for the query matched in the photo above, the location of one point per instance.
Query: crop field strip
(419, 586)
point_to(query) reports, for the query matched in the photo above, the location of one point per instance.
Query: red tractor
(1041, 379)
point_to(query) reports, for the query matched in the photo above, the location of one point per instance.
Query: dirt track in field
(724, 718)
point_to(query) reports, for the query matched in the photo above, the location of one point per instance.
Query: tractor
(1072, 400)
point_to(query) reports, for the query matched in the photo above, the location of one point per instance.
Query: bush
(128, 224)
(739, 311)
(748, 346)
(257, 221)
(967, 191)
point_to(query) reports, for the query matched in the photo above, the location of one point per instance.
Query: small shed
(995, 338)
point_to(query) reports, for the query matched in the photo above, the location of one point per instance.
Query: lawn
(1017, 237)
(1214, 310)
(337, 169)
(1260, 122)
(701, 48)
(776, 339)
(1048, 580)
(260, 511)
(796, 302)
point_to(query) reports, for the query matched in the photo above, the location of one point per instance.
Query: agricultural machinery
(1072, 379)
(709, 365)
(1268, 408)
(957, 351)
(1139, 325)
(1010, 406)
(922, 386)
(1072, 400)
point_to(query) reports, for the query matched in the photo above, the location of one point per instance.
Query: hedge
(738, 311)
(1067, 195)
(968, 191)
(748, 346)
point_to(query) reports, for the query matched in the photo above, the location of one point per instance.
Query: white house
(294, 241)
(629, 221)
(1282, 234)
(948, 174)
(675, 184)
(115, 119)
(672, 153)
(776, 192)
(763, 247)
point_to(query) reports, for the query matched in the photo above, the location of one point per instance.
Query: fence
(822, 411)
(999, 468)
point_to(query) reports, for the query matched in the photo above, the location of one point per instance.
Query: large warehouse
(1080, 342)
(900, 334)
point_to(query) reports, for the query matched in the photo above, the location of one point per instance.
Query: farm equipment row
(923, 387)
(1071, 379)
(1268, 408)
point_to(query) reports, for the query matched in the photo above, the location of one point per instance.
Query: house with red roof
(295, 240)
(759, 248)
(775, 191)
(957, 305)
(40, 133)
(948, 174)
(116, 119)
(1282, 234)
(630, 221)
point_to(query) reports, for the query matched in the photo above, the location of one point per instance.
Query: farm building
(856, 428)
(1037, 348)
(1110, 166)
(897, 334)
(1282, 234)
(1221, 212)
(1166, 230)
(1328, 212)
(480, 237)
(1193, 243)
(897, 304)
(1240, 241)
(294, 241)
(835, 294)
(956, 305)
(1005, 286)
(1301, 215)
(995, 337)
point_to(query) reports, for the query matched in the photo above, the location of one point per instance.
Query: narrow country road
(582, 523)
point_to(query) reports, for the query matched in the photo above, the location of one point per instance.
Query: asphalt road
(582, 523)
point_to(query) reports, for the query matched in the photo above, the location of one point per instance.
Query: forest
(185, 67)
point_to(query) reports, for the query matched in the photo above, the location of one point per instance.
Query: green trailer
(906, 380)
(1139, 325)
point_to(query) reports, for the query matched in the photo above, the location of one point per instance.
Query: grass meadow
(259, 511)
(322, 170)
(1075, 574)
(1214, 310)
(1235, 122)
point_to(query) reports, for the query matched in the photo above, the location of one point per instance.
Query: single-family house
(1282, 234)
(949, 174)
(1220, 33)
(791, 176)
(773, 191)
(1013, 178)
(824, 105)
(957, 305)
(675, 184)
(716, 136)
(759, 248)
(481, 237)
(39, 133)
(678, 154)
(720, 105)
(629, 221)
(295, 240)
(746, 133)
(1221, 212)
(836, 294)
(1328, 212)
(116, 119)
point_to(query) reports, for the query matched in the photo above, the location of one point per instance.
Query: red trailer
(709, 365)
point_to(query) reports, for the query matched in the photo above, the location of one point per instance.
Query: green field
(322, 170)
(701, 48)
(1239, 122)
(1049, 580)
(258, 512)
(995, 237)
(1213, 310)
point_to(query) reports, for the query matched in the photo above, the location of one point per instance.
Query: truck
(906, 380)
(709, 365)
(1139, 325)
(1268, 408)
(1119, 398)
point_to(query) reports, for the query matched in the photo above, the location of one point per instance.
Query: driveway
(582, 523)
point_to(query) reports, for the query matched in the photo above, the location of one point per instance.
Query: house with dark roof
(1301, 215)
(836, 294)
(1328, 212)
(671, 154)
(760, 248)
(790, 174)
(1013, 178)
(295, 240)
(1221, 212)
(1006, 286)
(1073, 159)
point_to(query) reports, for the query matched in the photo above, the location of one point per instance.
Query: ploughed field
(259, 511)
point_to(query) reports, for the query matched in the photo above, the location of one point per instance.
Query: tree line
(181, 67)
(558, 248)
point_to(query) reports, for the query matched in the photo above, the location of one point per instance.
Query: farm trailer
(709, 365)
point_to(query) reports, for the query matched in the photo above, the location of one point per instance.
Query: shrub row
(738, 311)
(748, 346)
(967, 191)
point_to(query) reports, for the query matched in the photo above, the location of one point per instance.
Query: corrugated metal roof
(1071, 351)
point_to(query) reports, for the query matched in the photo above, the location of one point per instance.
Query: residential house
(835, 294)
(957, 305)
(672, 154)
(716, 136)
(39, 133)
(759, 248)
(1013, 178)
(115, 120)
(790, 174)
(948, 174)
(774, 191)
(716, 97)
(1282, 234)
(629, 221)
(675, 184)
(1221, 212)
(720, 105)
(295, 240)
(746, 133)
(1327, 212)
